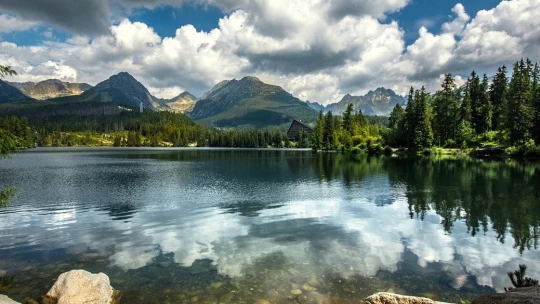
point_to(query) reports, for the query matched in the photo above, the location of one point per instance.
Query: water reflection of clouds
(328, 226)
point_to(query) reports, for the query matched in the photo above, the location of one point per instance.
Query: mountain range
(250, 103)
(51, 88)
(244, 103)
(379, 102)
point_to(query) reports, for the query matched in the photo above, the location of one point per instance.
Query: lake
(236, 226)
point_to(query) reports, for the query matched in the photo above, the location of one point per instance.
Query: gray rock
(524, 295)
(80, 286)
(392, 298)
(5, 300)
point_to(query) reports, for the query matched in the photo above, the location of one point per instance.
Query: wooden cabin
(295, 129)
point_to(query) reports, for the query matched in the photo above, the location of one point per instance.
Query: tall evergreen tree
(329, 138)
(423, 136)
(396, 124)
(317, 135)
(348, 122)
(486, 107)
(446, 110)
(497, 96)
(410, 118)
(466, 111)
(520, 113)
(396, 116)
(535, 132)
(476, 94)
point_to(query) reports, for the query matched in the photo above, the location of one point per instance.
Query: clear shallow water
(233, 226)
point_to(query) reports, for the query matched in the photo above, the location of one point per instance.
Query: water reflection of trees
(501, 195)
(346, 167)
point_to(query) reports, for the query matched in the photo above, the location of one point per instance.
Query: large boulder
(5, 300)
(80, 286)
(392, 298)
(523, 295)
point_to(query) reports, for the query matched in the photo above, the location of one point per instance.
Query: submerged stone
(226, 299)
(308, 288)
(296, 292)
(198, 270)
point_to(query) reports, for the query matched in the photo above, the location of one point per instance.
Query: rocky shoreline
(80, 286)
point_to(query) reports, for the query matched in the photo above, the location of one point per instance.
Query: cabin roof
(297, 127)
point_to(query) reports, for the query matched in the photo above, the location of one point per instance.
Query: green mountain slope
(250, 103)
(9, 94)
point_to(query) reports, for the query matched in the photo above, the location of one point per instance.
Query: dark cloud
(342, 8)
(317, 58)
(80, 17)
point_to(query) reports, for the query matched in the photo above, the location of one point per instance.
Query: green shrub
(388, 151)
(357, 139)
(356, 150)
(375, 149)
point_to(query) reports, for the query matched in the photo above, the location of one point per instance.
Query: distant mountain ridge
(379, 102)
(250, 103)
(51, 88)
(182, 103)
(122, 89)
(244, 103)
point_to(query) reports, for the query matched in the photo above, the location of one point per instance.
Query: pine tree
(520, 113)
(410, 119)
(445, 110)
(477, 111)
(535, 132)
(348, 119)
(466, 111)
(328, 132)
(497, 95)
(317, 135)
(486, 107)
(396, 124)
(396, 117)
(423, 133)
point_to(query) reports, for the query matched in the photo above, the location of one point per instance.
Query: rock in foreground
(392, 298)
(524, 295)
(5, 300)
(80, 286)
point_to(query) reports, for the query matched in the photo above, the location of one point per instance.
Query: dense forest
(480, 114)
(131, 129)
(503, 114)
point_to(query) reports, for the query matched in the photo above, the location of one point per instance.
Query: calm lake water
(236, 226)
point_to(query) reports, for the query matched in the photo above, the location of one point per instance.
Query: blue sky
(317, 50)
(433, 13)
